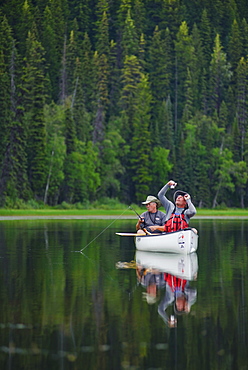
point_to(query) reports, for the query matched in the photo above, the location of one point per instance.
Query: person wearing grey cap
(152, 216)
(179, 214)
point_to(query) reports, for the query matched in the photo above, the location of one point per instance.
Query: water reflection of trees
(62, 307)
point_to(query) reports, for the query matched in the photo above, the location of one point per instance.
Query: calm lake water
(76, 296)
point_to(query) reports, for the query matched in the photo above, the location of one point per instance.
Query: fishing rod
(142, 227)
(135, 212)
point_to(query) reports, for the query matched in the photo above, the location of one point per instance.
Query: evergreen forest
(110, 99)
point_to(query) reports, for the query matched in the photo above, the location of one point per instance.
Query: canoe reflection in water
(172, 273)
(166, 278)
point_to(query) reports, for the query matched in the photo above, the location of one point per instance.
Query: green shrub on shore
(104, 206)
(104, 203)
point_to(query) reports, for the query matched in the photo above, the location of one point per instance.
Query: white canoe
(183, 241)
(183, 266)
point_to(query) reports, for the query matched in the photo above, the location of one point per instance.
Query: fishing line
(103, 231)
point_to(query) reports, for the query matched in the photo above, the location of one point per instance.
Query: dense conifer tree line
(103, 98)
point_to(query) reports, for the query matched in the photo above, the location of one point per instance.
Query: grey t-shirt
(151, 219)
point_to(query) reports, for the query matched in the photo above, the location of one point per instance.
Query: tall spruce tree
(52, 49)
(6, 45)
(80, 115)
(89, 75)
(160, 65)
(220, 75)
(197, 66)
(102, 98)
(188, 107)
(131, 76)
(140, 154)
(26, 20)
(102, 28)
(184, 52)
(242, 96)
(234, 49)
(56, 151)
(204, 94)
(102, 67)
(114, 81)
(82, 11)
(139, 16)
(71, 57)
(173, 14)
(13, 178)
(130, 39)
(206, 39)
(33, 82)
(244, 37)
(167, 132)
(53, 40)
(68, 189)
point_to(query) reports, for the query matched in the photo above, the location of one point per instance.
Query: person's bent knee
(141, 232)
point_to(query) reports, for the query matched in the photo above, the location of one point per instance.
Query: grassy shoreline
(234, 212)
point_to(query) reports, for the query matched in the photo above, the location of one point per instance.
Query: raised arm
(190, 211)
(167, 204)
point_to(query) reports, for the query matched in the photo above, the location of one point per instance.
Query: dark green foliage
(33, 82)
(244, 37)
(26, 20)
(114, 81)
(140, 157)
(220, 75)
(130, 39)
(242, 114)
(70, 132)
(82, 11)
(53, 58)
(139, 16)
(184, 53)
(131, 76)
(109, 98)
(80, 116)
(7, 49)
(234, 50)
(111, 168)
(14, 180)
(166, 132)
(102, 34)
(4, 101)
(206, 38)
(160, 64)
(89, 74)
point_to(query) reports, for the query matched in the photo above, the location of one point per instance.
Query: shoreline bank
(110, 217)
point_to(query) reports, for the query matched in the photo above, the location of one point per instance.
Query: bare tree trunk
(215, 198)
(242, 199)
(74, 93)
(48, 179)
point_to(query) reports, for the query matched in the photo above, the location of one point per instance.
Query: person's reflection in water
(152, 280)
(177, 291)
(181, 294)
